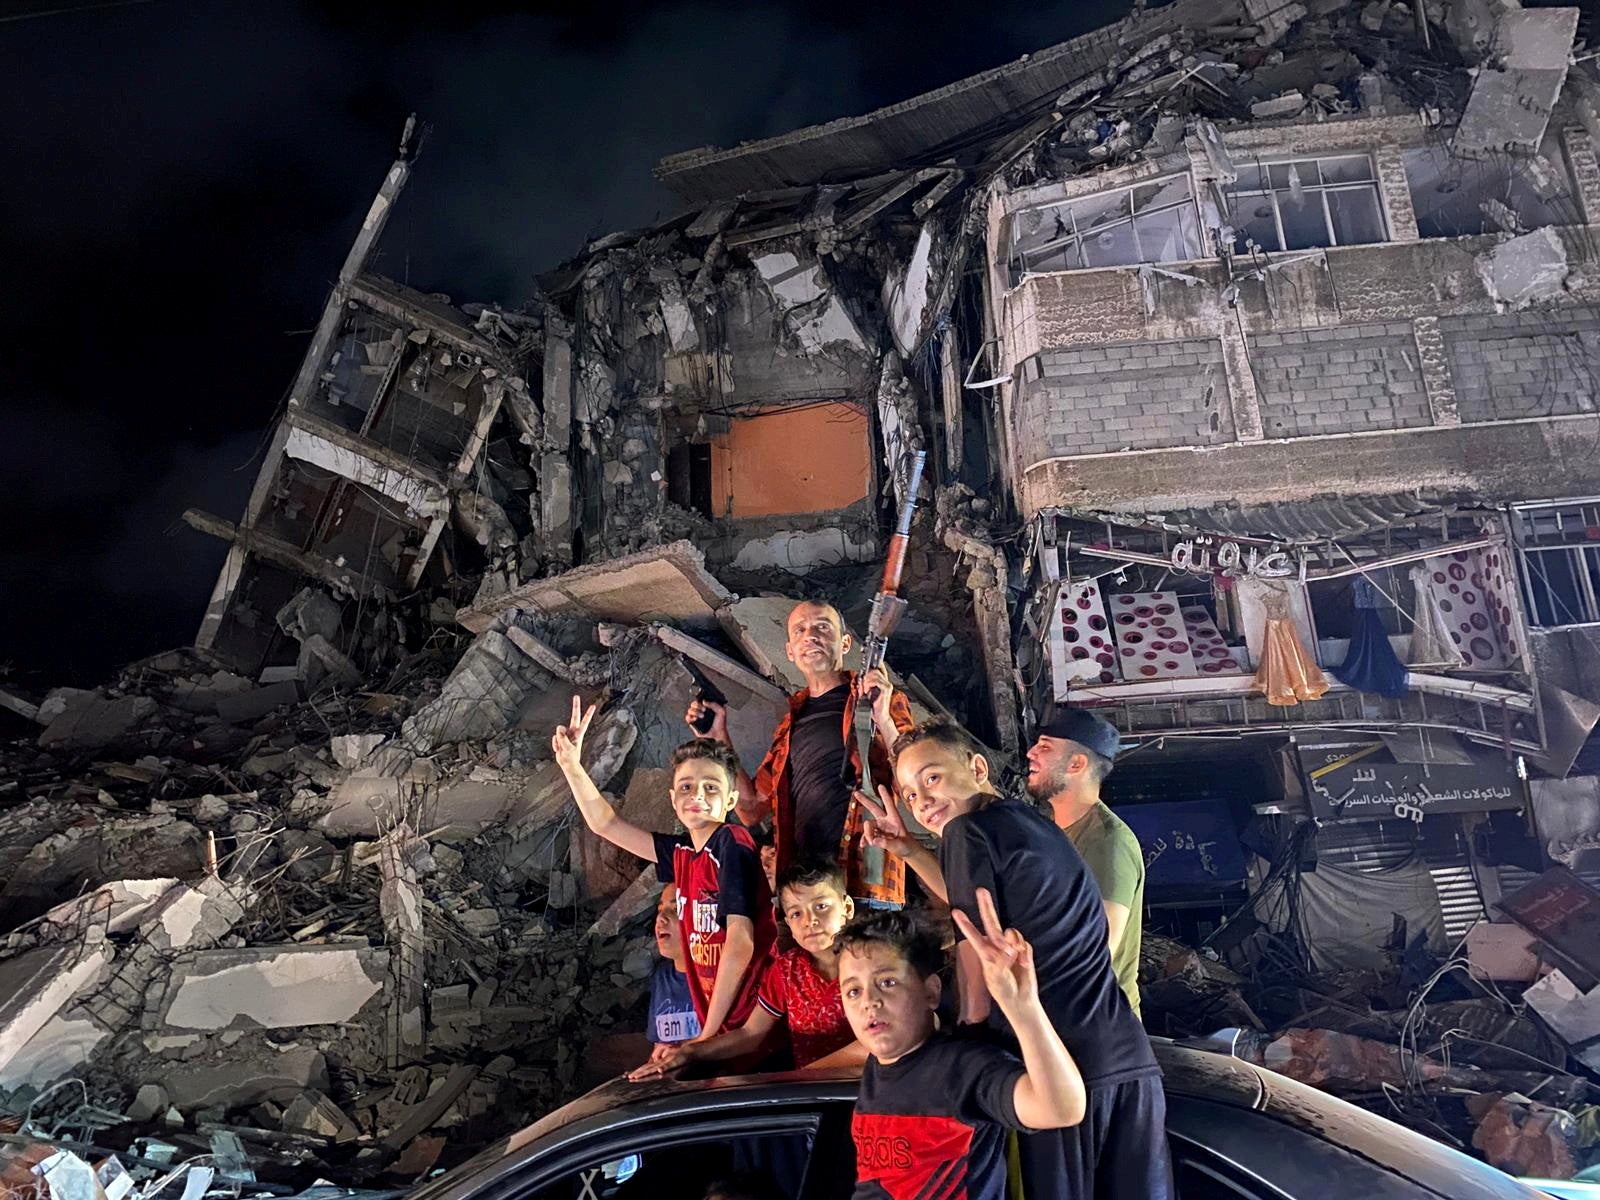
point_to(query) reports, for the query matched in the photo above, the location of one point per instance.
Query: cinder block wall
(1133, 396)
(1530, 364)
(1339, 380)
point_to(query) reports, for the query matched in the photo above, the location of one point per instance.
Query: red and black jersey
(796, 992)
(932, 1125)
(722, 879)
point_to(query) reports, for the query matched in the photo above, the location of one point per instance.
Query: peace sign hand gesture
(1005, 955)
(885, 827)
(567, 741)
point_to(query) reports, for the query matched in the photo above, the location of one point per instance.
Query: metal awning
(1303, 522)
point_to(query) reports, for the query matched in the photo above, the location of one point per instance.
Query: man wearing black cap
(1071, 756)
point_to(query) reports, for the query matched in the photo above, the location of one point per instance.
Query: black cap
(1082, 726)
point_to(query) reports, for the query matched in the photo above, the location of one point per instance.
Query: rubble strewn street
(1252, 347)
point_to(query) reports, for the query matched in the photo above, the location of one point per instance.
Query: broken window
(1560, 550)
(1149, 222)
(1307, 203)
(689, 477)
(1459, 197)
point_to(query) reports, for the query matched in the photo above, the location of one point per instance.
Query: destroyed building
(1253, 347)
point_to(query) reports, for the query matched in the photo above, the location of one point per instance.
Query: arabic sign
(1362, 782)
(1208, 556)
(1562, 911)
(1186, 844)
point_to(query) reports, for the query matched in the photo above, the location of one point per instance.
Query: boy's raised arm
(1050, 1093)
(567, 745)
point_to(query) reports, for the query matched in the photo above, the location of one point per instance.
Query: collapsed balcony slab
(272, 987)
(35, 986)
(667, 583)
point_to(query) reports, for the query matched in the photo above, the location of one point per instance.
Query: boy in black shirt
(1043, 889)
(931, 1115)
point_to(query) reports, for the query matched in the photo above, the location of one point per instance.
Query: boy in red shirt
(724, 904)
(800, 987)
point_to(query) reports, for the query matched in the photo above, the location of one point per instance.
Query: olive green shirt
(1111, 852)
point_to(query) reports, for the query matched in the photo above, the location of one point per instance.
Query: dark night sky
(183, 179)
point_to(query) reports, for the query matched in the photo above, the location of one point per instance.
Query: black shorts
(1118, 1150)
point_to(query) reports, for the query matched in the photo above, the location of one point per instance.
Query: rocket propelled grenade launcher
(887, 609)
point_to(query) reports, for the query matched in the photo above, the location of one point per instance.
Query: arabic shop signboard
(1210, 556)
(1363, 782)
(1562, 911)
(1186, 844)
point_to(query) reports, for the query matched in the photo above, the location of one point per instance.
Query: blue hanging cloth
(1371, 665)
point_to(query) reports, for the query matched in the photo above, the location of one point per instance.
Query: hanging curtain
(1431, 641)
(1287, 674)
(1371, 665)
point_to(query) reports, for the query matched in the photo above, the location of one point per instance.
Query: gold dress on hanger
(1287, 674)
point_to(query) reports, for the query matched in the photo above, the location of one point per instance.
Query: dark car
(1237, 1132)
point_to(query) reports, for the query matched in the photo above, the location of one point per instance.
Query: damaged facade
(1253, 346)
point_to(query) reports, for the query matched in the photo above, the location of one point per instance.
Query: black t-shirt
(1043, 889)
(817, 790)
(933, 1122)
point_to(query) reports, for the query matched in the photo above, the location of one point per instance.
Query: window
(1457, 197)
(1307, 203)
(682, 1168)
(1560, 550)
(1149, 222)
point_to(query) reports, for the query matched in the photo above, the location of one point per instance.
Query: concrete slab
(115, 907)
(1508, 110)
(196, 915)
(95, 721)
(352, 749)
(240, 708)
(59, 1049)
(666, 583)
(757, 625)
(37, 985)
(235, 1084)
(379, 789)
(272, 987)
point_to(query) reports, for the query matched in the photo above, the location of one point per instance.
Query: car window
(1203, 1175)
(684, 1165)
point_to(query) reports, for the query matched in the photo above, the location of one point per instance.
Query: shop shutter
(1459, 898)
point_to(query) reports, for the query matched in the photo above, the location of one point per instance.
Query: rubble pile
(327, 936)
(1469, 1054)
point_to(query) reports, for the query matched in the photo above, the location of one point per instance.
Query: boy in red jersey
(724, 903)
(799, 989)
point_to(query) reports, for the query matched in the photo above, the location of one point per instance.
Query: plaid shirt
(772, 780)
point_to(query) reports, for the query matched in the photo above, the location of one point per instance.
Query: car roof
(1197, 1074)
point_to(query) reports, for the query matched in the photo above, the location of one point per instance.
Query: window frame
(1581, 553)
(1018, 259)
(1236, 196)
(822, 1119)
